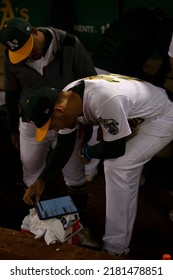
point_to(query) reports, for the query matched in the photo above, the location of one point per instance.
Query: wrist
(84, 152)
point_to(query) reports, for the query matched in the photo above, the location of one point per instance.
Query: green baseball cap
(16, 36)
(39, 108)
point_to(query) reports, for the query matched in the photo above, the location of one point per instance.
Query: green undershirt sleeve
(59, 156)
(107, 150)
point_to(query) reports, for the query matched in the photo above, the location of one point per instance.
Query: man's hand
(83, 156)
(34, 192)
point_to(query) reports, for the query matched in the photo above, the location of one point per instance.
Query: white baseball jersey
(112, 100)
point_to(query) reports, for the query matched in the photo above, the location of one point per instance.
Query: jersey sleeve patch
(110, 124)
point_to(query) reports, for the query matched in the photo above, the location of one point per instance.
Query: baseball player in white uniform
(136, 119)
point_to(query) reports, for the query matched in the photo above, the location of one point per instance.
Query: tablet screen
(55, 207)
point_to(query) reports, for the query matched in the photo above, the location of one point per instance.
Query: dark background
(87, 19)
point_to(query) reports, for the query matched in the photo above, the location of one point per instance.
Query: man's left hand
(34, 192)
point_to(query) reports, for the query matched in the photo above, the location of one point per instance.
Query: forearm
(59, 156)
(106, 150)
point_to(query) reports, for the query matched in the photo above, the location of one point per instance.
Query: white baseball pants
(122, 177)
(33, 157)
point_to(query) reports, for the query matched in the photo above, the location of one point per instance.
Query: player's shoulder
(66, 38)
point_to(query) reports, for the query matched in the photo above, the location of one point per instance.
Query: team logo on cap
(13, 45)
(46, 111)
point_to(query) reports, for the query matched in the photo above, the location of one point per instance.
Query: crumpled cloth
(53, 229)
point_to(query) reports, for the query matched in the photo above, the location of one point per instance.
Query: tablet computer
(55, 207)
